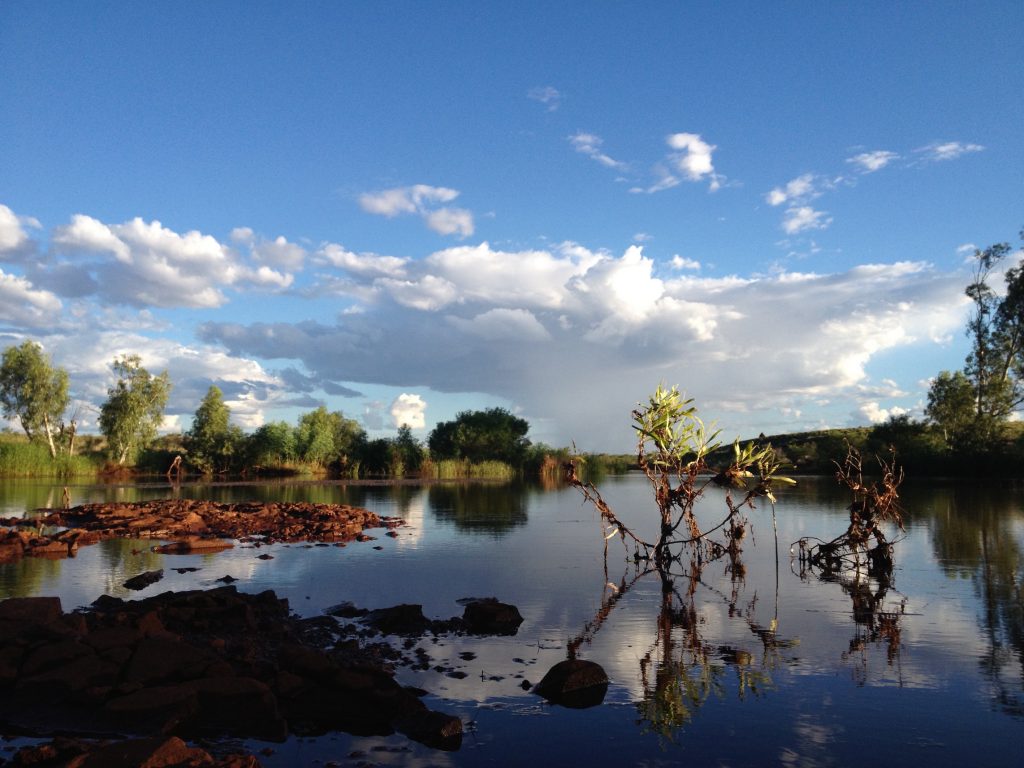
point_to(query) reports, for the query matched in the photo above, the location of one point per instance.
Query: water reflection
(976, 535)
(482, 508)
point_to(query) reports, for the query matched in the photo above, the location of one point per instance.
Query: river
(755, 666)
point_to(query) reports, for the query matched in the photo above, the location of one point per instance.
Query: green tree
(408, 450)
(994, 369)
(990, 363)
(35, 392)
(951, 407)
(134, 407)
(324, 437)
(272, 444)
(490, 435)
(211, 441)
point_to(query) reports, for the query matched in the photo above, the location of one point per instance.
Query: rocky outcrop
(194, 664)
(193, 525)
(156, 752)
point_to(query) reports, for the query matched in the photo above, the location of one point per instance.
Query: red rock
(144, 753)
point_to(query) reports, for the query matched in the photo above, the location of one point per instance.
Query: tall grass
(457, 469)
(33, 460)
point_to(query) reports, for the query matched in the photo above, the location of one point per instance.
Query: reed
(458, 469)
(19, 459)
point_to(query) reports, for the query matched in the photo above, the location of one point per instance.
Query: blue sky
(402, 210)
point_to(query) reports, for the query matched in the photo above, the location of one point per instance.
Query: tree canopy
(972, 406)
(490, 435)
(211, 441)
(134, 407)
(33, 391)
(326, 436)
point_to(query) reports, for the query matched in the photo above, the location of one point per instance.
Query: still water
(766, 666)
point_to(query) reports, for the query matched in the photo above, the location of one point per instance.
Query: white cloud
(152, 265)
(590, 145)
(392, 202)
(408, 410)
(421, 199)
(948, 150)
(362, 264)
(603, 331)
(804, 217)
(869, 162)
(278, 253)
(682, 262)
(24, 305)
(802, 189)
(451, 221)
(427, 294)
(12, 236)
(694, 157)
(546, 95)
(875, 414)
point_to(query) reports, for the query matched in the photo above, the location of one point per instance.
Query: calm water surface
(928, 669)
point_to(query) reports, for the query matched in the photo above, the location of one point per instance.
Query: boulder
(574, 683)
(487, 616)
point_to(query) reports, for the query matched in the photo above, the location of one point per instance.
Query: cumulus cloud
(693, 158)
(869, 162)
(14, 241)
(408, 410)
(875, 414)
(689, 160)
(422, 200)
(361, 264)
(682, 262)
(546, 95)
(22, 304)
(590, 145)
(145, 264)
(947, 150)
(593, 332)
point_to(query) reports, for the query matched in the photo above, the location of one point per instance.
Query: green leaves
(134, 407)
(33, 391)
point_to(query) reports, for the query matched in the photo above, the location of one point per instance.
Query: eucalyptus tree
(994, 369)
(211, 441)
(134, 408)
(33, 391)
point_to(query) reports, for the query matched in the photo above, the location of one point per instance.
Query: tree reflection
(682, 670)
(479, 507)
(977, 530)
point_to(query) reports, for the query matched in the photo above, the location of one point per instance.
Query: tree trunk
(49, 437)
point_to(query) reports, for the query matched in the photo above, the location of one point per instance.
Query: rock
(487, 616)
(574, 683)
(143, 580)
(192, 545)
(155, 752)
(435, 729)
(404, 619)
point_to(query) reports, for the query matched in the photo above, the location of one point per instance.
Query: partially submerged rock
(487, 616)
(195, 525)
(144, 580)
(574, 683)
(193, 664)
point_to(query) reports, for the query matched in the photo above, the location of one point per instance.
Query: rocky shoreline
(191, 525)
